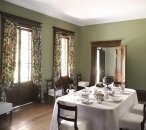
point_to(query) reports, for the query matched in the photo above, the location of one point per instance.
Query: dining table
(103, 115)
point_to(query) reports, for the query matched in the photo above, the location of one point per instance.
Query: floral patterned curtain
(57, 55)
(8, 49)
(71, 64)
(8, 52)
(36, 56)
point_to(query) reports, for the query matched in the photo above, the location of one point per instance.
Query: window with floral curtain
(21, 51)
(8, 46)
(64, 52)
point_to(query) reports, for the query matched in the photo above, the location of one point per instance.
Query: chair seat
(58, 92)
(81, 123)
(130, 121)
(5, 107)
(83, 83)
(138, 109)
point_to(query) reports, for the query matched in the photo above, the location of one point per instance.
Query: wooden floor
(30, 117)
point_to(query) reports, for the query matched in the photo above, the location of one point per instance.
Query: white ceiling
(87, 12)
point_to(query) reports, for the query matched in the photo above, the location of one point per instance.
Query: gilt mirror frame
(94, 46)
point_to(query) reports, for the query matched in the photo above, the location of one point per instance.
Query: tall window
(64, 56)
(23, 55)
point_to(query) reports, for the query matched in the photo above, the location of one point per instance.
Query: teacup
(83, 94)
(106, 95)
(70, 91)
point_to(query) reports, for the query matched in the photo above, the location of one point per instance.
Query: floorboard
(34, 116)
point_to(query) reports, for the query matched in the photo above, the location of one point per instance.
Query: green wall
(132, 33)
(47, 33)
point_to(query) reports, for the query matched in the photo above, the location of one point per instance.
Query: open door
(120, 64)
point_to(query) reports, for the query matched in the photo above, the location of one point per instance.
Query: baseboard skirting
(141, 94)
(22, 105)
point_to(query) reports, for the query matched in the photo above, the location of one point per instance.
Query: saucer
(115, 99)
(126, 92)
(87, 102)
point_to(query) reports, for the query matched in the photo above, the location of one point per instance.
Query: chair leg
(11, 115)
(142, 126)
(76, 128)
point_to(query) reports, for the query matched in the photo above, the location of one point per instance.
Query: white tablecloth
(104, 116)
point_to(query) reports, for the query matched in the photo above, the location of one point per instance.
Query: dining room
(106, 55)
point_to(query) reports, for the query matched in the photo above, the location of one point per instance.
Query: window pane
(64, 55)
(24, 72)
(16, 60)
(23, 57)
(16, 74)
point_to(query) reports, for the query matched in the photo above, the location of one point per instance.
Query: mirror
(111, 62)
(108, 59)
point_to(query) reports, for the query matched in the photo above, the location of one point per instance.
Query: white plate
(87, 102)
(116, 99)
(126, 92)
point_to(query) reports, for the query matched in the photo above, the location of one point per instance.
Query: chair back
(66, 83)
(53, 85)
(79, 77)
(58, 84)
(60, 115)
(144, 117)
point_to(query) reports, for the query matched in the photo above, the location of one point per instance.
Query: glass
(23, 56)
(122, 87)
(64, 56)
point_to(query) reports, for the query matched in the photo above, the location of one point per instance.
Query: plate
(116, 99)
(126, 92)
(87, 102)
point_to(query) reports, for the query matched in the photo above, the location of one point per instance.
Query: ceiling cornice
(57, 14)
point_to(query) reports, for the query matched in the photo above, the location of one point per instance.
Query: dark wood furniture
(23, 93)
(79, 82)
(144, 117)
(79, 78)
(66, 83)
(59, 87)
(54, 89)
(62, 117)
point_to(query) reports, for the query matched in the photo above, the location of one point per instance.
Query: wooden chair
(66, 122)
(58, 88)
(138, 109)
(54, 89)
(79, 78)
(81, 84)
(66, 83)
(132, 121)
